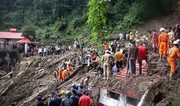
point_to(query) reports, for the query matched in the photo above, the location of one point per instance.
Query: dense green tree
(28, 31)
(97, 19)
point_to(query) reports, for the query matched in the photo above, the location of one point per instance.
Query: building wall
(108, 101)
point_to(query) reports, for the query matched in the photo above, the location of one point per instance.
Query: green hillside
(62, 21)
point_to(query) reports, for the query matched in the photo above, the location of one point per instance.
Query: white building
(107, 97)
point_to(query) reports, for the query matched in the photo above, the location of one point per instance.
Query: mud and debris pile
(34, 76)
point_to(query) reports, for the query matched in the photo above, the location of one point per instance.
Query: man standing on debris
(163, 43)
(121, 36)
(118, 58)
(69, 68)
(131, 37)
(86, 81)
(81, 46)
(174, 53)
(106, 64)
(132, 55)
(137, 34)
(8, 59)
(142, 55)
(171, 35)
(60, 72)
(177, 32)
(154, 40)
(55, 73)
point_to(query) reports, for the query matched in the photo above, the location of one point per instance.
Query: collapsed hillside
(34, 76)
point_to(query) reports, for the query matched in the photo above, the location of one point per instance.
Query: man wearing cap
(132, 55)
(174, 53)
(106, 64)
(163, 43)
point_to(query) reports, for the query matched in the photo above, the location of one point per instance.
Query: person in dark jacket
(67, 101)
(177, 32)
(132, 56)
(39, 101)
(75, 98)
(55, 100)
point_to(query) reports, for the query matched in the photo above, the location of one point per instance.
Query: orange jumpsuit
(173, 54)
(64, 74)
(69, 69)
(163, 43)
(60, 71)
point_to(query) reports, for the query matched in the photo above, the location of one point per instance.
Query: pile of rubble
(34, 76)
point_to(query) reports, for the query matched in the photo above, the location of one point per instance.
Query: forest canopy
(67, 19)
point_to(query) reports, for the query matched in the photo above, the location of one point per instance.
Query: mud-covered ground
(34, 76)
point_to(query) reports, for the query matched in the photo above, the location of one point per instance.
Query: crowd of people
(113, 59)
(53, 50)
(77, 95)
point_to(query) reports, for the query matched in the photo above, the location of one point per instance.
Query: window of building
(132, 101)
(113, 95)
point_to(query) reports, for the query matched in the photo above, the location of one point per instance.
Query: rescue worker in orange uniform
(64, 74)
(163, 43)
(69, 69)
(60, 71)
(174, 53)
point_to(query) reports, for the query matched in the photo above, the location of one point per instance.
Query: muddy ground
(34, 76)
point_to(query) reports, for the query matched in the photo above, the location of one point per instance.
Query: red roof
(10, 35)
(24, 40)
(27, 40)
(13, 30)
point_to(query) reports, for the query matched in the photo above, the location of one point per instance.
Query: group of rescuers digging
(167, 40)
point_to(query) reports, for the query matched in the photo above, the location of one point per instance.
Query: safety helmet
(62, 92)
(177, 25)
(68, 93)
(161, 29)
(176, 42)
(74, 86)
(137, 32)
